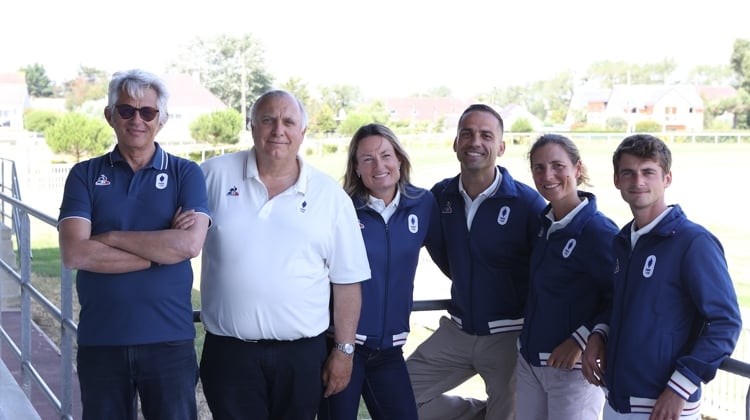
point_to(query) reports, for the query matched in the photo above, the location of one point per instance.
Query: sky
(386, 47)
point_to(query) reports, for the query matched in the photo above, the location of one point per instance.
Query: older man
(285, 238)
(130, 221)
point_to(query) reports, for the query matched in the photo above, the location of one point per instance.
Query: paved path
(46, 359)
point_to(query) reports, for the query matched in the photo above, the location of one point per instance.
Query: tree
(711, 75)
(341, 97)
(322, 120)
(740, 62)
(610, 73)
(37, 81)
(223, 62)
(79, 136)
(218, 127)
(90, 84)
(299, 89)
(40, 120)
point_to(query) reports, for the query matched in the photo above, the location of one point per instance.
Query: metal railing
(64, 316)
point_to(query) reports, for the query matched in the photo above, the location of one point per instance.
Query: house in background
(14, 100)
(514, 112)
(674, 107)
(188, 100)
(588, 104)
(429, 109)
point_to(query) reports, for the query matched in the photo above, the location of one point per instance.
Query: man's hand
(565, 355)
(594, 360)
(337, 372)
(668, 406)
(183, 220)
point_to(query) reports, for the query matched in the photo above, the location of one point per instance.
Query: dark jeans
(268, 379)
(163, 375)
(382, 380)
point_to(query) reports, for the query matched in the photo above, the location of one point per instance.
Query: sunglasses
(127, 112)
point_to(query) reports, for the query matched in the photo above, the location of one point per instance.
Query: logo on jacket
(648, 266)
(161, 181)
(413, 223)
(233, 192)
(569, 247)
(502, 217)
(447, 208)
(303, 206)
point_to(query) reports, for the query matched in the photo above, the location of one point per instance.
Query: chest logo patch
(569, 247)
(102, 180)
(162, 180)
(648, 266)
(413, 223)
(502, 216)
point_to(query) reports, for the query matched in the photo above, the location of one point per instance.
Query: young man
(489, 222)
(675, 315)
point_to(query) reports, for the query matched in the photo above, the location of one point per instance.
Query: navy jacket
(393, 252)
(675, 315)
(570, 284)
(489, 265)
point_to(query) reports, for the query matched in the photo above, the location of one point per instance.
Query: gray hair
(135, 82)
(274, 93)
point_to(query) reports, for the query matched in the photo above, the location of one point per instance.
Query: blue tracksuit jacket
(393, 252)
(489, 264)
(570, 282)
(675, 315)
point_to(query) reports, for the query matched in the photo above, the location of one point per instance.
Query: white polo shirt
(267, 264)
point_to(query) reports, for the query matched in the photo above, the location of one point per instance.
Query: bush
(648, 126)
(521, 125)
(330, 148)
(40, 120)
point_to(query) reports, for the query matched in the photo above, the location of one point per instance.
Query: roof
(425, 108)
(714, 93)
(185, 91)
(13, 94)
(19, 78)
(13, 90)
(642, 96)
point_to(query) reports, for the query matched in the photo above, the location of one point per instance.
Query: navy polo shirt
(145, 306)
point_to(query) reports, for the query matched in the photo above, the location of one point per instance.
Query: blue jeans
(163, 375)
(381, 378)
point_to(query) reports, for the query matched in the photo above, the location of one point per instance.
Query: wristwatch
(346, 348)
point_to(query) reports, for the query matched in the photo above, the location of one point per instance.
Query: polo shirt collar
(300, 186)
(160, 160)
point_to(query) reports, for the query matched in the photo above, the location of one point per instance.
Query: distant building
(514, 112)
(429, 109)
(674, 107)
(188, 100)
(14, 100)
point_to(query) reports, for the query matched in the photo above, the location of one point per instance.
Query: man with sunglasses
(130, 221)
